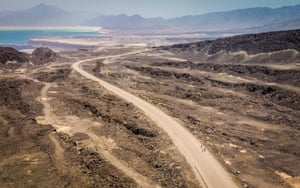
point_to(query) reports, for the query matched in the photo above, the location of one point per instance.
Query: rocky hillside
(10, 54)
(250, 43)
(42, 56)
(9, 57)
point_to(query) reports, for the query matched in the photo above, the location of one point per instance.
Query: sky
(148, 8)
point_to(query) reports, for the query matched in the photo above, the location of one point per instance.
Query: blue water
(21, 37)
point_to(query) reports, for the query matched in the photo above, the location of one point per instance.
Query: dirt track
(204, 165)
(232, 108)
(95, 140)
(244, 107)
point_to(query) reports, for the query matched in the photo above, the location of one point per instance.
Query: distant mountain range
(281, 26)
(124, 21)
(237, 19)
(39, 15)
(42, 15)
(257, 18)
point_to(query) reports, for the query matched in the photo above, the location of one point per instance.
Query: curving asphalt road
(207, 169)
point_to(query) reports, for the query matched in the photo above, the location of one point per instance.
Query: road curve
(207, 169)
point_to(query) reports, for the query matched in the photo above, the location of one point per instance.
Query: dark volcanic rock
(11, 95)
(53, 76)
(41, 56)
(8, 54)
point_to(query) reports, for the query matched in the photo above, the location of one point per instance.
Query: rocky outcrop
(11, 58)
(41, 56)
(250, 43)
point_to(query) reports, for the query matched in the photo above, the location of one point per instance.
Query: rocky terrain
(239, 96)
(42, 56)
(250, 43)
(11, 58)
(105, 136)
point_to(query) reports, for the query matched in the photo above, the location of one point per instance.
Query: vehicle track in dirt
(207, 169)
(71, 125)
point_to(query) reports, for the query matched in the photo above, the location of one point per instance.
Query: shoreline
(98, 29)
(57, 44)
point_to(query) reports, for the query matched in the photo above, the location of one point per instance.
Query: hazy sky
(148, 8)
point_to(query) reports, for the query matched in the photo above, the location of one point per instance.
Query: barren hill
(250, 43)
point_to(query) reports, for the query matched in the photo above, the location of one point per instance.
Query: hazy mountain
(266, 19)
(286, 25)
(39, 15)
(236, 19)
(4, 13)
(124, 21)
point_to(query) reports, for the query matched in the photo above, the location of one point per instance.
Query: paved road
(207, 169)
